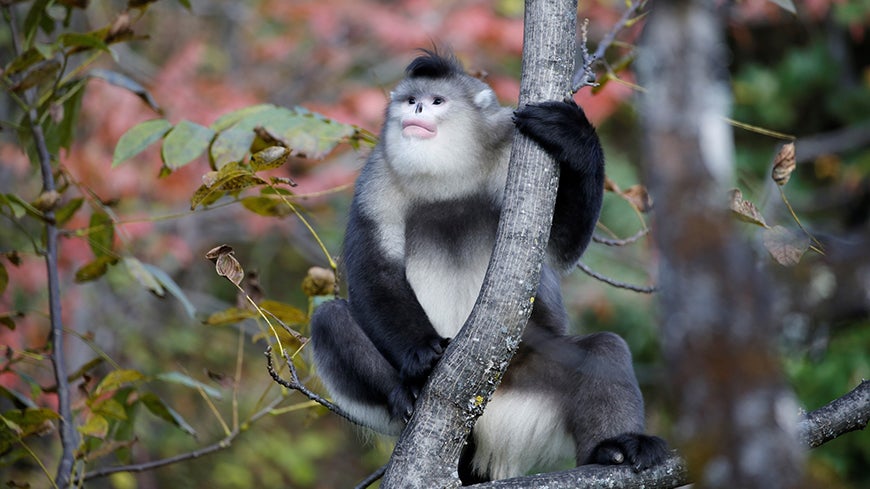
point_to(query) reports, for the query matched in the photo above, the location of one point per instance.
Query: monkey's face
(420, 115)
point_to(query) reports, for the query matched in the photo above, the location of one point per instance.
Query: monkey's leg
(607, 417)
(355, 373)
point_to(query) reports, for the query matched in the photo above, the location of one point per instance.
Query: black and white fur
(419, 238)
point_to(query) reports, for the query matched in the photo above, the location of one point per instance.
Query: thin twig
(585, 76)
(620, 242)
(225, 442)
(296, 385)
(371, 478)
(615, 283)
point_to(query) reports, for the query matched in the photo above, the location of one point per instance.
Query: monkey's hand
(416, 367)
(636, 450)
(561, 129)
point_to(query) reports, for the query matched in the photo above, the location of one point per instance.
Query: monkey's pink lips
(417, 128)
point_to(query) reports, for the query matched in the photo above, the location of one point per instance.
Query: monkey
(420, 233)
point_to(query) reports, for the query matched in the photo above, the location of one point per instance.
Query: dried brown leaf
(783, 164)
(745, 210)
(638, 196)
(784, 246)
(226, 264)
(319, 281)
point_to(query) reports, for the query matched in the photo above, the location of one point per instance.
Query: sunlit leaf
(95, 269)
(226, 121)
(172, 288)
(785, 246)
(269, 158)
(230, 145)
(184, 143)
(166, 413)
(185, 380)
(138, 138)
(285, 312)
(96, 426)
(230, 316)
(117, 378)
(93, 363)
(143, 276)
(109, 408)
(101, 234)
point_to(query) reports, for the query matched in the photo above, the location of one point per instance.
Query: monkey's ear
(485, 98)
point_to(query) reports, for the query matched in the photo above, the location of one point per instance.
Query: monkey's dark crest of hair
(434, 65)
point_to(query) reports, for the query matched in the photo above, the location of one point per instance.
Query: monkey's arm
(384, 304)
(561, 129)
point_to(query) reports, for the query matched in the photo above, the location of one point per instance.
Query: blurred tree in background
(156, 375)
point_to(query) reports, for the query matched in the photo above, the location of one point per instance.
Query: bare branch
(621, 242)
(848, 413)
(372, 478)
(615, 283)
(223, 443)
(295, 384)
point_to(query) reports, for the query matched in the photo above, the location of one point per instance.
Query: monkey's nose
(419, 108)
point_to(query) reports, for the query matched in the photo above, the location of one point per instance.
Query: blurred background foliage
(806, 75)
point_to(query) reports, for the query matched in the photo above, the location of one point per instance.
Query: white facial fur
(434, 143)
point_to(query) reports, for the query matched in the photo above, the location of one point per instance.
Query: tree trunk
(736, 420)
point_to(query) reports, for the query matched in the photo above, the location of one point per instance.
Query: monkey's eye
(438, 101)
(412, 101)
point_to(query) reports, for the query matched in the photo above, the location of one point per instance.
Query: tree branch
(845, 414)
(615, 283)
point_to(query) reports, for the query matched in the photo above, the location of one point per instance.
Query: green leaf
(123, 81)
(73, 94)
(23, 61)
(95, 269)
(142, 275)
(109, 408)
(226, 121)
(230, 316)
(82, 41)
(65, 212)
(18, 399)
(41, 72)
(101, 234)
(185, 380)
(117, 378)
(266, 206)
(172, 287)
(185, 142)
(285, 312)
(29, 421)
(166, 413)
(96, 426)
(138, 138)
(230, 145)
(20, 207)
(269, 158)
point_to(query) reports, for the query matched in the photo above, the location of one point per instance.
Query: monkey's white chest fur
(445, 287)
